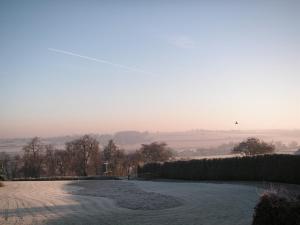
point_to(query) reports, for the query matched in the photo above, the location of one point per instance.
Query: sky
(72, 67)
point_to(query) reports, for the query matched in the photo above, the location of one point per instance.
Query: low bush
(277, 209)
(1, 184)
(273, 168)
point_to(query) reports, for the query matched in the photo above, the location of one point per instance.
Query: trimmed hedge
(276, 168)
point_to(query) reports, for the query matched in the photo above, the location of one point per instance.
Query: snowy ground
(126, 203)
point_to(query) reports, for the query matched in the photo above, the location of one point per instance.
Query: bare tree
(116, 159)
(4, 165)
(110, 150)
(33, 158)
(95, 163)
(119, 165)
(50, 161)
(63, 162)
(155, 152)
(81, 151)
(16, 166)
(134, 158)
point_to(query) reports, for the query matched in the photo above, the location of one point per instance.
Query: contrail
(100, 61)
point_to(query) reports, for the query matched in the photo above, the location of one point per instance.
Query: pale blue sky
(184, 65)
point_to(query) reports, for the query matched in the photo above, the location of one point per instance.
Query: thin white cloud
(182, 41)
(128, 68)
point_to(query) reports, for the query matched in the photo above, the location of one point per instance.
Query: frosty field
(126, 203)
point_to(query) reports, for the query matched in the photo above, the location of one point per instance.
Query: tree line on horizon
(85, 157)
(80, 157)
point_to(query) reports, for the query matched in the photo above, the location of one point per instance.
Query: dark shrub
(253, 146)
(1, 184)
(274, 209)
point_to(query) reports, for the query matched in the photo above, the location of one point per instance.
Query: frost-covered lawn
(127, 203)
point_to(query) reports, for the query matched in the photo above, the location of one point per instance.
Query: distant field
(127, 203)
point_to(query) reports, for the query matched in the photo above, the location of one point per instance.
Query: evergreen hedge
(275, 168)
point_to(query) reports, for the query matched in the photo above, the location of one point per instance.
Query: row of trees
(80, 157)
(83, 157)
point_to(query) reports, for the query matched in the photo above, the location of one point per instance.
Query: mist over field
(187, 143)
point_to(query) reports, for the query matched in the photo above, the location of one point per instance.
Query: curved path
(94, 202)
